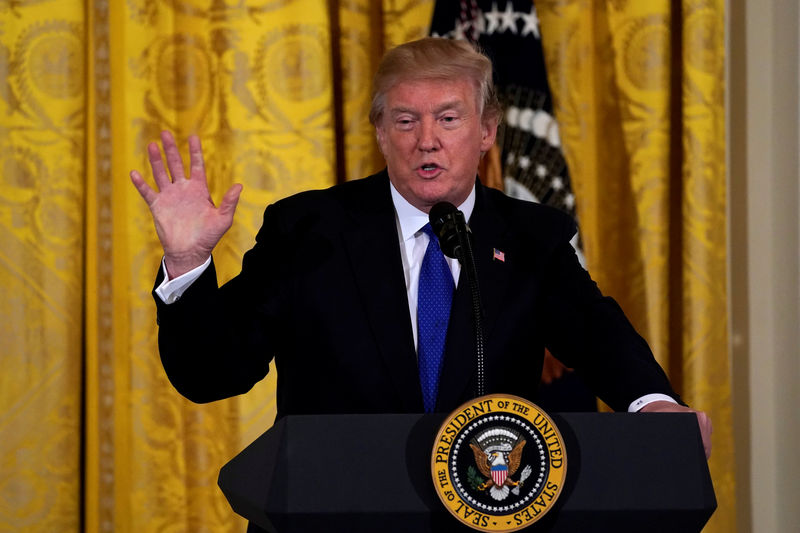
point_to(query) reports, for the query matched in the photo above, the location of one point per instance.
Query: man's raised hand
(188, 223)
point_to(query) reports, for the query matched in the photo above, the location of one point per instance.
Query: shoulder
(352, 195)
(340, 204)
(528, 219)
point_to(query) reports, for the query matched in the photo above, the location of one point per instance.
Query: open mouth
(428, 167)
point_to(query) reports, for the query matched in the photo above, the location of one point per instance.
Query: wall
(763, 125)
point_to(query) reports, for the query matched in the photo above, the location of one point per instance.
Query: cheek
(380, 135)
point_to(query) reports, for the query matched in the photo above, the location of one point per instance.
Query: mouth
(429, 169)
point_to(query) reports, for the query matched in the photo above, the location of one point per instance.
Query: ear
(488, 134)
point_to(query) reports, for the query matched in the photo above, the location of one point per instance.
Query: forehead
(431, 95)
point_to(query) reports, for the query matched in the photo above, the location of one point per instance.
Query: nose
(428, 139)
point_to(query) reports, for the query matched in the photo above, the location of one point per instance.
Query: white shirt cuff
(649, 398)
(171, 290)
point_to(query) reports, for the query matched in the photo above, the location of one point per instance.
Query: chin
(434, 193)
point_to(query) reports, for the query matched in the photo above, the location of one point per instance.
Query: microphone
(449, 225)
(455, 240)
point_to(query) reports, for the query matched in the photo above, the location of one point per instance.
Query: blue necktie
(435, 294)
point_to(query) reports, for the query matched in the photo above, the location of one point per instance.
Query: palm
(188, 223)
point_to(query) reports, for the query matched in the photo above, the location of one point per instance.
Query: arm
(589, 332)
(205, 347)
(596, 338)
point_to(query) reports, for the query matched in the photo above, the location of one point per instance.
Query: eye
(404, 123)
(450, 120)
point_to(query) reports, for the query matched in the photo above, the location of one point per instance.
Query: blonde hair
(433, 58)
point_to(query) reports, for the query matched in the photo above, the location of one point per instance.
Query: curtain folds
(94, 438)
(639, 95)
(86, 85)
(42, 206)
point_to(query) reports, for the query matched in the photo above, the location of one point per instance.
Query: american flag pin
(497, 255)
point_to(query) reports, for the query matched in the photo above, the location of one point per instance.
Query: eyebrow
(446, 106)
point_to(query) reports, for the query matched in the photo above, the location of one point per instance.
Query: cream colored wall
(763, 126)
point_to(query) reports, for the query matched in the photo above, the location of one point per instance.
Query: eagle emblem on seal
(498, 453)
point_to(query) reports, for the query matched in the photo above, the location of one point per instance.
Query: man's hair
(434, 58)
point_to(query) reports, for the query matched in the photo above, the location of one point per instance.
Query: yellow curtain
(42, 200)
(86, 84)
(269, 85)
(639, 96)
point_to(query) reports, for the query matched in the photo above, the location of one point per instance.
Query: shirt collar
(410, 219)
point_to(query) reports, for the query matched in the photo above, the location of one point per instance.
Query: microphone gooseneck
(455, 240)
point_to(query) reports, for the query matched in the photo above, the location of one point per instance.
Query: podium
(371, 473)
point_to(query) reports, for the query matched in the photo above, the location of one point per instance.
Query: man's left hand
(702, 419)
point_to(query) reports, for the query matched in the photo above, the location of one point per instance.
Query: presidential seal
(498, 463)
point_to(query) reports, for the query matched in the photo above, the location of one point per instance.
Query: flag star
(524, 162)
(569, 201)
(510, 158)
(557, 183)
(493, 18)
(541, 170)
(531, 23)
(509, 19)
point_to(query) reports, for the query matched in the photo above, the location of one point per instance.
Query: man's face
(432, 138)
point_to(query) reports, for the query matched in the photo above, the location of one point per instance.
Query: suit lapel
(374, 251)
(489, 232)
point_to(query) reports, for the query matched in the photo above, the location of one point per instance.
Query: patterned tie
(433, 314)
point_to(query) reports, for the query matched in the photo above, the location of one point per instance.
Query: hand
(188, 223)
(552, 368)
(702, 419)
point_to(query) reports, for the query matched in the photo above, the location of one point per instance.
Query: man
(331, 287)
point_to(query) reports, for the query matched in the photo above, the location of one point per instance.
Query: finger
(228, 204)
(706, 429)
(174, 163)
(196, 163)
(157, 165)
(144, 189)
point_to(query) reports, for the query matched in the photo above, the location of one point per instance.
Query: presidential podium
(372, 473)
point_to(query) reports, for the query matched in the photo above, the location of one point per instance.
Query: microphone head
(439, 216)
(449, 225)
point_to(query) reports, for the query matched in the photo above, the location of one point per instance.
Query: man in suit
(331, 287)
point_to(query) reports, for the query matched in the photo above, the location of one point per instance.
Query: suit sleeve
(216, 342)
(589, 332)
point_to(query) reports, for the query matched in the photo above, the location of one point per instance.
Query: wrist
(179, 264)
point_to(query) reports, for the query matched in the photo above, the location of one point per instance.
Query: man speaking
(348, 290)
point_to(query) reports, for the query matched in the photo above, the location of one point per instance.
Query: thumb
(228, 204)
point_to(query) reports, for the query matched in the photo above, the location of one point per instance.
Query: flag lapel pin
(497, 255)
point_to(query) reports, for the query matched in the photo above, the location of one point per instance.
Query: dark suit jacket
(323, 292)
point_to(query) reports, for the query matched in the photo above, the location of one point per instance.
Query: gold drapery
(268, 85)
(42, 200)
(639, 95)
(638, 92)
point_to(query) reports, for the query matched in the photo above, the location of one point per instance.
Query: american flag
(498, 255)
(534, 167)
